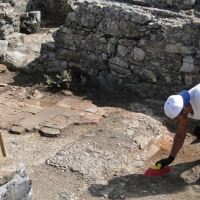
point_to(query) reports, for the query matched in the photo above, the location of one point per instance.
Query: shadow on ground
(138, 185)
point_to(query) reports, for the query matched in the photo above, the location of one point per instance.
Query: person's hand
(165, 162)
(196, 132)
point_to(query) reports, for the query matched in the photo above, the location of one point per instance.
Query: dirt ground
(111, 136)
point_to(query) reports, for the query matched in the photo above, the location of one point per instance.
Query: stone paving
(19, 114)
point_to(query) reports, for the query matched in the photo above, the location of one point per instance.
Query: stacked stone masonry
(148, 47)
(142, 49)
(9, 20)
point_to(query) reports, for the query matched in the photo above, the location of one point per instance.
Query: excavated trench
(94, 159)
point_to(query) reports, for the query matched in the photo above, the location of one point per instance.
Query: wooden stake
(3, 146)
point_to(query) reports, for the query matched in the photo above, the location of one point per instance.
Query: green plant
(65, 76)
(48, 80)
(62, 80)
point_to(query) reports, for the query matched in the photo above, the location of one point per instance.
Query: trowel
(3, 146)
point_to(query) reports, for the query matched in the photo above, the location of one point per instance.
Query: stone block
(45, 115)
(119, 62)
(36, 15)
(85, 106)
(176, 48)
(67, 92)
(72, 113)
(57, 66)
(48, 46)
(23, 15)
(17, 130)
(186, 67)
(49, 132)
(151, 75)
(188, 59)
(2, 15)
(188, 80)
(68, 102)
(56, 124)
(74, 65)
(127, 43)
(7, 8)
(17, 60)
(121, 50)
(90, 118)
(8, 169)
(16, 39)
(19, 187)
(119, 72)
(141, 18)
(65, 54)
(138, 54)
(3, 45)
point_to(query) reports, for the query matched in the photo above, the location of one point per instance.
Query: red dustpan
(156, 171)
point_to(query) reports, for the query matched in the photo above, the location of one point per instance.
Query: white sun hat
(175, 103)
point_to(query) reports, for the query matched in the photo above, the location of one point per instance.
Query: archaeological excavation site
(82, 91)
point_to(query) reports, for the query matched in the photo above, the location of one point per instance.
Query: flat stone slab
(90, 118)
(68, 102)
(10, 116)
(17, 130)
(32, 108)
(67, 92)
(12, 103)
(78, 104)
(49, 132)
(39, 118)
(85, 106)
(72, 113)
(60, 122)
(33, 102)
(19, 114)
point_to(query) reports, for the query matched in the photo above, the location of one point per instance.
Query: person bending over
(181, 108)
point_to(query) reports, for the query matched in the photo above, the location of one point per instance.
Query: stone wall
(176, 4)
(143, 49)
(9, 20)
(19, 5)
(57, 10)
(126, 45)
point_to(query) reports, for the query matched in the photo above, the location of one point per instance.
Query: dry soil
(110, 135)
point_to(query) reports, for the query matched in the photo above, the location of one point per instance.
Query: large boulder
(14, 181)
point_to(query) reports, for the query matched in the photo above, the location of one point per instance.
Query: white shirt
(195, 102)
